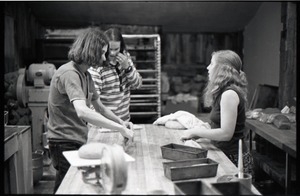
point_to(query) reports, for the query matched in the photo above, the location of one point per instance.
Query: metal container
(190, 169)
(37, 165)
(231, 188)
(181, 152)
(193, 187)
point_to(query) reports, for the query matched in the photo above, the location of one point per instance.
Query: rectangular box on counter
(190, 169)
(231, 188)
(193, 187)
(198, 187)
(182, 152)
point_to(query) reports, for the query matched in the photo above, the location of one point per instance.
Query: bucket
(37, 165)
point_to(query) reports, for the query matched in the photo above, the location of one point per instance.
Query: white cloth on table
(186, 119)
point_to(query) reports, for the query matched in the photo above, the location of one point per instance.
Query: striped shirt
(114, 85)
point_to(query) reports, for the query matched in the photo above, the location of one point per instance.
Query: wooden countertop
(11, 144)
(284, 139)
(10, 131)
(145, 174)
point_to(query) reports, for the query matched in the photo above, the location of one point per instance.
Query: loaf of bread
(91, 150)
(282, 122)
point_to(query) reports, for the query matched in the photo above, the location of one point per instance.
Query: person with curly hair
(226, 94)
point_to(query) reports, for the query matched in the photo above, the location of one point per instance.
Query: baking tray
(193, 187)
(190, 169)
(181, 152)
(231, 188)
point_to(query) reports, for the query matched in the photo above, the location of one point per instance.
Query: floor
(45, 186)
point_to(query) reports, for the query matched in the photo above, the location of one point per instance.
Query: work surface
(146, 174)
(285, 139)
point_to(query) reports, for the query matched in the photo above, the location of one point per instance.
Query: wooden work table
(146, 174)
(284, 139)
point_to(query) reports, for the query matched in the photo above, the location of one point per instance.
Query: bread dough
(172, 124)
(192, 143)
(91, 150)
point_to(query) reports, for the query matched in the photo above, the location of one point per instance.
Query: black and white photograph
(181, 97)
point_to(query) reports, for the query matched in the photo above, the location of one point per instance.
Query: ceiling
(171, 16)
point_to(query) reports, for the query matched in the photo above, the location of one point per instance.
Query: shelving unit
(145, 50)
(275, 151)
(54, 50)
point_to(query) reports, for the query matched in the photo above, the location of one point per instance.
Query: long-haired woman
(226, 94)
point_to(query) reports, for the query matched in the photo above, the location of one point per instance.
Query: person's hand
(186, 135)
(122, 59)
(127, 133)
(128, 140)
(129, 125)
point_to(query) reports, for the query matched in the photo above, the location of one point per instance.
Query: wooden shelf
(275, 169)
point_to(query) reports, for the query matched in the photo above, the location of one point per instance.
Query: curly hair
(87, 47)
(227, 73)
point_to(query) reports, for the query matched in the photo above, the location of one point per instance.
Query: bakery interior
(183, 34)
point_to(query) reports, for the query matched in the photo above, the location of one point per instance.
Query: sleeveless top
(229, 147)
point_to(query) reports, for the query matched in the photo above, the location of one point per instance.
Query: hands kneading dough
(91, 150)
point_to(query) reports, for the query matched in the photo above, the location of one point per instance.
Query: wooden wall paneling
(187, 46)
(9, 44)
(265, 96)
(22, 30)
(166, 49)
(209, 48)
(288, 52)
(227, 42)
(200, 49)
(178, 49)
(197, 48)
(194, 52)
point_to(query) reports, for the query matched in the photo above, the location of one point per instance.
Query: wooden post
(288, 52)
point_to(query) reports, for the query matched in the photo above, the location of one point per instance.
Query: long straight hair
(227, 73)
(87, 47)
(114, 34)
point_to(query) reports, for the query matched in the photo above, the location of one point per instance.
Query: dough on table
(91, 150)
(172, 124)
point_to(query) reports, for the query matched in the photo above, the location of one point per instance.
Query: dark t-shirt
(69, 84)
(229, 147)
